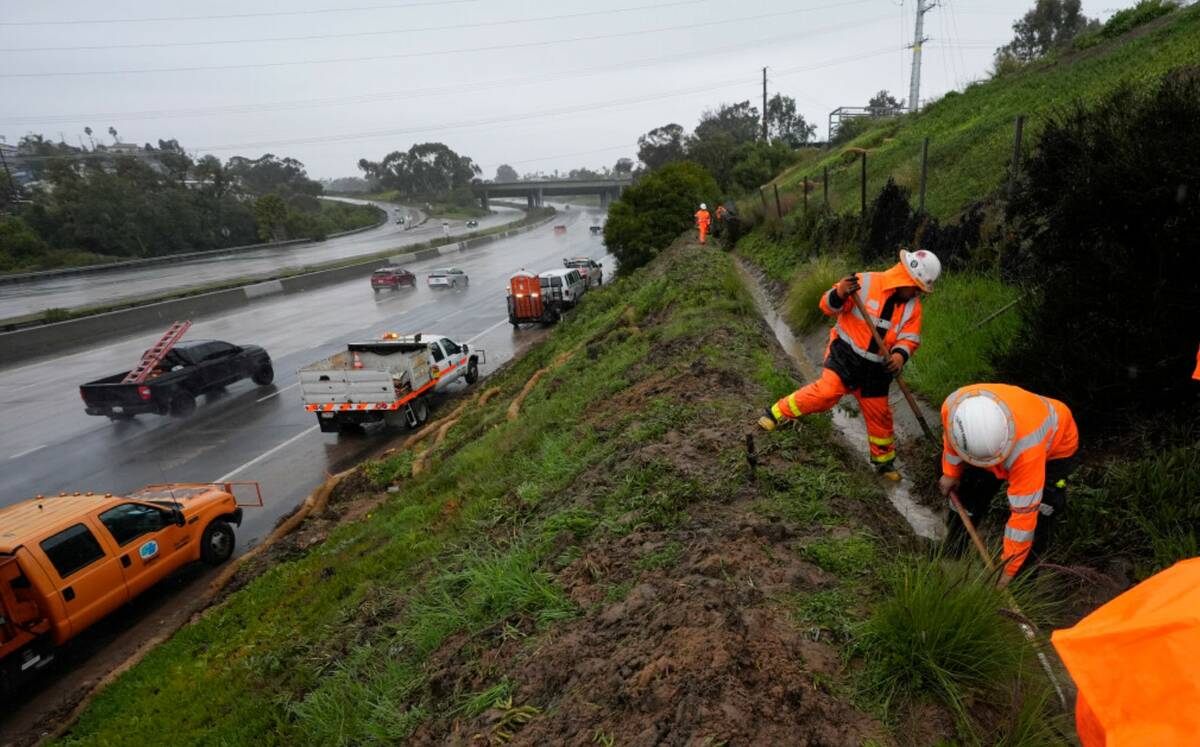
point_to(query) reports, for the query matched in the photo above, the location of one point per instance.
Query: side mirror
(177, 517)
(465, 347)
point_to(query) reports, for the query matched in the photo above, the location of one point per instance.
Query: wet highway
(259, 433)
(72, 291)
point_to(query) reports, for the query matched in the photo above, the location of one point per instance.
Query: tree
(173, 158)
(884, 104)
(740, 121)
(755, 164)
(113, 131)
(849, 129)
(1049, 25)
(661, 146)
(88, 131)
(784, 124)
(650, 214)
(424, 170)
(270, 213)
(623, 167)
(506, 173)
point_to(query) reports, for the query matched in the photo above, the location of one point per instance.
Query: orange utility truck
(68, 561)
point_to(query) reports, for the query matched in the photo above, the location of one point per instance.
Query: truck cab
(68, 561)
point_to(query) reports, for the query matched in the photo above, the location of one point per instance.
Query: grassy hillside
(971, 133)
(602, 568)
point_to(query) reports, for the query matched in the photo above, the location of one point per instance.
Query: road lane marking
(489, 329)
(277, 392)
(267, 454)
(27, 452)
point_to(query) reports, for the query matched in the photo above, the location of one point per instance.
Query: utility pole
(919, 38)
(764, 111)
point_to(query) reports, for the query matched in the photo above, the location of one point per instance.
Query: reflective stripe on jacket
(901, 332)
(1043, 429)
(702, 218)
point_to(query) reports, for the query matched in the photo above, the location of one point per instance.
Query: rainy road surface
(259, 433)
(71, 291)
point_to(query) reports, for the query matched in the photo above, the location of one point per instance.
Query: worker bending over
(703, 219)
(994, 432)
(854, 363)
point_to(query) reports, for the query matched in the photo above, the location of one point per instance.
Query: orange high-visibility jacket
(1041, 429)
(901, 332)
(721, 212)
(702, 218)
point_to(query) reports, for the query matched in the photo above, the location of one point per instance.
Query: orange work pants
(824, 393)
(703, 231)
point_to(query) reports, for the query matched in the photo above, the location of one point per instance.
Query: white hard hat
(981, 430)
(922, 266)
(703, 206)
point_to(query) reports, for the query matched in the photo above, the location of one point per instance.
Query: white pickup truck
(389, 380)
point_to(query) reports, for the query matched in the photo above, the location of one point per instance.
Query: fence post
(826, 186)
(778, 207)
(763, 195)
(863, 191)
(924, 173)
(1016, 157)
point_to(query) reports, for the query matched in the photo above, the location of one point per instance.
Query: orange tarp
(1136, 661)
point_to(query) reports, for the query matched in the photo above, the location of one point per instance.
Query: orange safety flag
(1134, 661)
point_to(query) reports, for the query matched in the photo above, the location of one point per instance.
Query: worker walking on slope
(703, 219)
(719, 226)
(994, 432)
(854, 363)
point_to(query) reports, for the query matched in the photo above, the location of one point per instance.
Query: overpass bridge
(535, 192)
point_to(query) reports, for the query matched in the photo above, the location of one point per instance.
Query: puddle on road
(924, 522)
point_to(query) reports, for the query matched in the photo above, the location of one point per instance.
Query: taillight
(144, 392)
(81, 394)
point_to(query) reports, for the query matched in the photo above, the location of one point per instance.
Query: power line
(410, 55)
(353, 34)
(509, 119)
(268, 14)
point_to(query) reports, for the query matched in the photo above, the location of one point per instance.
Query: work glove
(895, 363)
(767, 420)
(846, 286)
(946, 484)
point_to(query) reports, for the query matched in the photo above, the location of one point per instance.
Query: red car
(392, 277)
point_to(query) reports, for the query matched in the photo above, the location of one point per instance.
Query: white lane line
(277, 392)
(27, 451)
(267, 454)
(502, 322)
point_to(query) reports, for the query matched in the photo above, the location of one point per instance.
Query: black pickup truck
(188, 370)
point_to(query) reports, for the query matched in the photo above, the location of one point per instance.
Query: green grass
(801, 307)
(955, 348)
(971, 132)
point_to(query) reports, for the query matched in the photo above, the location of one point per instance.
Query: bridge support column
(605, 199)
(540, 198)
(483, 201)
(529, 200)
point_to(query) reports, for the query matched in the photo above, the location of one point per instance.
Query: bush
(651, 213)
(1108, 212)
(937, 633)
(814, 279)
(1126, 20)
(19, 244)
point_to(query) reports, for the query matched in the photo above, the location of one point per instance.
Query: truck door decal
(148, 550)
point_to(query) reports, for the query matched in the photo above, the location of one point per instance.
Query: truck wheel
(421, 408)
(472, 371)
(182, 405)
(264, 375)
(216, 544)
(514, 324)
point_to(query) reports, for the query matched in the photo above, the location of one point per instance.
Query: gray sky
(573, 89)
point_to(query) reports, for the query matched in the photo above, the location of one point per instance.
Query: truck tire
(421, 410)
(216, 544)
(264, 375)
(183, 405)
(472, 371)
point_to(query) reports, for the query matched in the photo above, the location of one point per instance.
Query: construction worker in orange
(720, 215)
(994, 432)
(853, 362)
(1134, 664)
(1196, 373)
(703, 219)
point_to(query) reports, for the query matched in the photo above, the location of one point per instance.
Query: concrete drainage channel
(32, 342)
(923, 520)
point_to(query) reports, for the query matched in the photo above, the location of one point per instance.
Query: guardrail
(73, 334)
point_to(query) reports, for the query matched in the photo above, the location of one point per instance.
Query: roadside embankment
(31, 342)
(585, 555)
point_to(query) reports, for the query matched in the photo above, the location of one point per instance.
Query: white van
(565, 285)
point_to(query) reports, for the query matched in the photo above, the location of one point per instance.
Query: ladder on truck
(152, 357)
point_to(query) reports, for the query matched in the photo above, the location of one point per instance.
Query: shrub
(814, 279)
(1108, 212)
(889, 223)
(1126, 20)
(937, 633)
(651, 213)
(19, 244)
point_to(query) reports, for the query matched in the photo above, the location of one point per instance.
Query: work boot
(888, 471)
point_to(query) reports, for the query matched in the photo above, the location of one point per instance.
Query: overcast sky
(539, 85)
